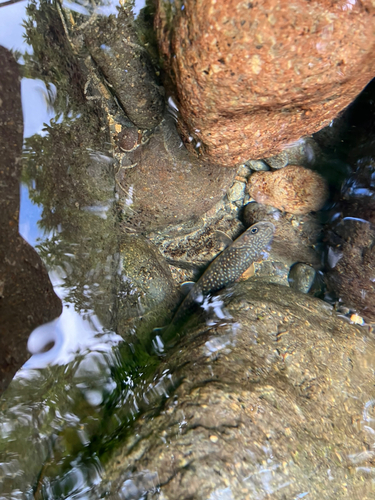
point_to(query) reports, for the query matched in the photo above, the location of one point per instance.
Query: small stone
(236, 193)
(258, 165)
(214, 439)
(244, 171)
(128, 139)
(301, 277)
(296, 190)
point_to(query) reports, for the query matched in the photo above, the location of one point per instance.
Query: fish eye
(254, 230)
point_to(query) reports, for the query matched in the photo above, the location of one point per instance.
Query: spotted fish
(226, 268)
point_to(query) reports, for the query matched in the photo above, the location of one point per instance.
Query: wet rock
(293, 189)
(265, 395)
(318, 62)
(146, 289)
(301, 277)
(295, 236)
(161, 183)
(236, 193)
(304, 152)
(128, 139)
(351, 261)
(116, 49)
(27, 299)
(258, 165)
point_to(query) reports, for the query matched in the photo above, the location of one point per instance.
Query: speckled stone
(296, 190)
(301, 277)
(251, 77)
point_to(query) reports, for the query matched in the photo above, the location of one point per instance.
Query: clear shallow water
(63, 397)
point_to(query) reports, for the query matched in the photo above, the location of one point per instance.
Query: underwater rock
(250, 78)
(301, 277)
(161, 183)
(296, 190)
(351, 259)
(258, 165)
(146, 289)
(304, 152)
(262, 393)
(126, 64)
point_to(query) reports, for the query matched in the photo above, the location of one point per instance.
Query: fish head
(258, 235)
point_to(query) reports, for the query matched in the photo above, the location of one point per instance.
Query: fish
(225, 269)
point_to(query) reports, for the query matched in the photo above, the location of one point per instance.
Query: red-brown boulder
(250, 77)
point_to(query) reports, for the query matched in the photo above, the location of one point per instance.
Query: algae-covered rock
(146, 291)
(277, 402)
(116, 49)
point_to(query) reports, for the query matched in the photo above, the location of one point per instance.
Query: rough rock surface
(160, 183)
(114, 45)
(277, 407)
(296, 190)
(250, 78)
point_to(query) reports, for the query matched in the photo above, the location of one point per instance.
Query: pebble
(258, 165)
(301, 277)
(293, 189)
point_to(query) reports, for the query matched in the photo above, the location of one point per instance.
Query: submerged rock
(304, 152)
(263, 393)
(146, 291)
(301, 277)
(294, 189)
(116, 49)
(351, 259)
(161, 183)
(250, 78)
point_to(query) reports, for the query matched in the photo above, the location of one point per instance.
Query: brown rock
(257, 412)
(296, 190)
(251, 77)
(162, 184)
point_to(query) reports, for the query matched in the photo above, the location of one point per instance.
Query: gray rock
(301, 277)
(258, 165)
(146, 291)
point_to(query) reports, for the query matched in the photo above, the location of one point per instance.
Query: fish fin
(223, 238)
(186, 287)
(250, 271)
